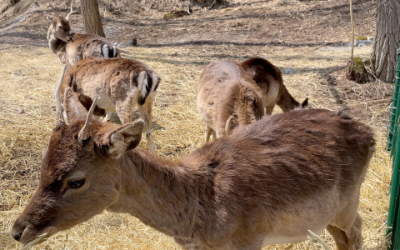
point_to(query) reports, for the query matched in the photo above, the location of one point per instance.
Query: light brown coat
(71, 47)
(267, 183)
(227, 98)
(121, 85)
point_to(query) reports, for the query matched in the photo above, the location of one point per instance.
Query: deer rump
(120, 84)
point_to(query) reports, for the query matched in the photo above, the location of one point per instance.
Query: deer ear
(73, 109)
(304, 104)
(125, 137)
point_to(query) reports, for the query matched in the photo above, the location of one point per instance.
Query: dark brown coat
(269, 79)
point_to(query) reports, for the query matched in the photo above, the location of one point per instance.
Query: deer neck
(56, 45)
(159, 192)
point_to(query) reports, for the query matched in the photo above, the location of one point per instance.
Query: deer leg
(207, 134)
(348, 221)
(269, 108)
(108, 116)
(145, 114)
(354, 234)
(339, 236)
(214, 134)
(346, 226)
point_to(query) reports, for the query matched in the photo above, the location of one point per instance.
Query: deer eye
(76, 183)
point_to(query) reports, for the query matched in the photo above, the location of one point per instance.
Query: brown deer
(120, 84)
(269, 78)
(267, 183)
(72, 47)
(227, 98)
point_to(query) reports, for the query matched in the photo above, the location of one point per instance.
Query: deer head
(78, 165)
(59, 27)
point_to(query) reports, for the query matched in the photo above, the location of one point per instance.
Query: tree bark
(386, 39)
(91, 17)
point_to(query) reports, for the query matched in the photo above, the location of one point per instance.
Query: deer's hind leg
(145, 114)
(348, 237)
(269, 108)
(207, 134)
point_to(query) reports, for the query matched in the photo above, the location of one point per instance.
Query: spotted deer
(73, 47)
(121, 85)
(227, 98)
(267, 183)
(269, 79)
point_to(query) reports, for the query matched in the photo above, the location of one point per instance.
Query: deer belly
(105, 102)
(272, 240)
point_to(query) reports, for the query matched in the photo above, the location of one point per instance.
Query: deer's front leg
(145, 114)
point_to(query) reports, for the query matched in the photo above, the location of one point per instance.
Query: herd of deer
(265, 179)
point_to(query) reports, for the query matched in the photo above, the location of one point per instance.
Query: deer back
(84, 46)
(118, 79)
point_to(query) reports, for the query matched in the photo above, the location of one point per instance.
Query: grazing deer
(269, 78)
(72, 47)
(227, 98)
(120, 84)
(267, 183)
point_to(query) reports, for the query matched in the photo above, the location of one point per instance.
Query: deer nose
(18, 229)
(17, 236)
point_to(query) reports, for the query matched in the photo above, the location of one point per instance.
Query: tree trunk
(91, 17)
(386, 39)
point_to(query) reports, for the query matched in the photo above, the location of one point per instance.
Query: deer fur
(72, 47)
(267, 183)
(227, 98)
(120, 84)
(269, 79)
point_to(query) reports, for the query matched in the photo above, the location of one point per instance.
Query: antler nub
(55, 12)
(84, 133)
(71, 12)
(59, 114)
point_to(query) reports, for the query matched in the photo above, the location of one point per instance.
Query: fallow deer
(120, 84)
(269, 78)
(72, 47)
(267, 183)
(227, 98)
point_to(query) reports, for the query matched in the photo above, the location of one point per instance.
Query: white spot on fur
(118, 145)
(114, 51)
(155, 79)
(142, 83)
(105, 50)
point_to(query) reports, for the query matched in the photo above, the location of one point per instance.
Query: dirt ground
(309, 37)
